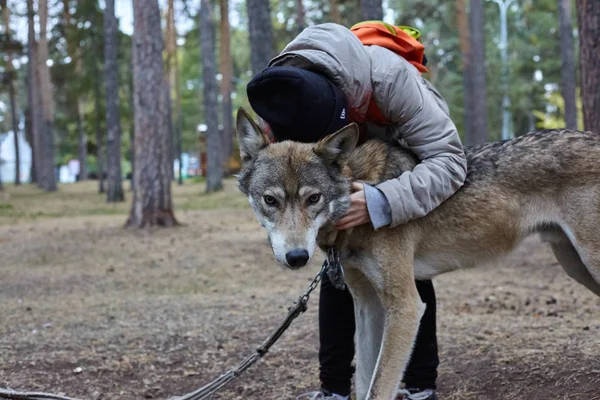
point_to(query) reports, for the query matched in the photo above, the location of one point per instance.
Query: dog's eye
(270, 200)
(313, 199)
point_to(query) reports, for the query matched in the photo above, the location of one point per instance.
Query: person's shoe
(320, 395)
(417, 394)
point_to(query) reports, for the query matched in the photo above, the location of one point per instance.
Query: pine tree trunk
(567, 65)
(97, 106)
(300, 16)
(15, 121)
(173, 76)
(465, 49)
(226, 82)
(10, 71)
(29, 137)
(478, 126)
(260, 30)
(214, 166)
(82, 143)
(33, 98)
(74, 52)
(334, 11)
(170, 46)
(114, 192)
(588, 14)
(131, 129)
(371, 10)
(170, 126)
(152, 204)
(48, 173)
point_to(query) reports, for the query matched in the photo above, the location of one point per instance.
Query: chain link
(294, 312)
(204, 392)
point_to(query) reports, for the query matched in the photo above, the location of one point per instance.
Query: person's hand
(358, 213)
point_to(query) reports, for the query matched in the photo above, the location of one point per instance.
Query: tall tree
(11, 75)
(47, 102)
(260, 30)
(97, 105)
(465, 49)
(568, 81)
(300, 16)
(74, 51)
(371, 9)
(334, 12)
(214, 166)
(588, 16)
(168, 89)
(173, 78)
(478, 128)
(226, 81)
(114, 191)
(33, 102)
(152, 203)
(132, 127)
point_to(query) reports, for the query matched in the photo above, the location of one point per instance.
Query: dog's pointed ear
(251, 139)
(337, 147)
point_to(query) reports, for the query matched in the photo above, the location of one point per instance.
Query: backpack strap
(402, 40)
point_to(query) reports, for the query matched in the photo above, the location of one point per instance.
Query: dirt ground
(95, 311)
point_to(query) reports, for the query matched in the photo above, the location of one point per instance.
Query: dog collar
(335, 270)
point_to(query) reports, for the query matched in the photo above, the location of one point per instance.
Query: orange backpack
(402, 40)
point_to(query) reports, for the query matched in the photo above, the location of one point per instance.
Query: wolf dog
(544, 182)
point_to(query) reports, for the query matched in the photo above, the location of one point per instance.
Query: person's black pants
(336, 328)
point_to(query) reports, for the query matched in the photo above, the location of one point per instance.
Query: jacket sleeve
(427, 130)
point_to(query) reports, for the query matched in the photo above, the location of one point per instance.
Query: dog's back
(543, 182)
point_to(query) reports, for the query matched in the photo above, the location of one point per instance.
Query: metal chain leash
(331, 266)
(295, 311)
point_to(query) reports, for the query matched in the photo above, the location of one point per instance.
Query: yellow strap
(408, 29)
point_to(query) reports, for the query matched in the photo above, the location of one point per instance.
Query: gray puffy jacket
(418, 113)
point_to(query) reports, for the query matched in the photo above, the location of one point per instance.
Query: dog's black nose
(297, 258)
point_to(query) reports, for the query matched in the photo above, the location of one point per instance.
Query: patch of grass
(5, 209)
(27, 202)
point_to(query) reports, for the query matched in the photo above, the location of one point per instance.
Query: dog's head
(294, 188)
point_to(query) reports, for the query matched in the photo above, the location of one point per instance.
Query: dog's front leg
(370, 318)
(403, 312)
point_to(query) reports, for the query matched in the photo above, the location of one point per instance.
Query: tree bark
(478, 126)
(152, 204)
(132, 128)
(371, 10)
(97, 105)
(300, 16)
(10, 71)
(226, 83)
(74, 52)
(29, 137)
(114, 191)
(214, 166)
(567, 65)
(588, 15)
(173, 76)
(171, 49)
(465, 49)
(334, 11)
(33, 98)
(82, 143)
(260, 30)
(48, 174)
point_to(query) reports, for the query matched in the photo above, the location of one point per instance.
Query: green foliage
(533, 51)
(534, 63)
(553, 116)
